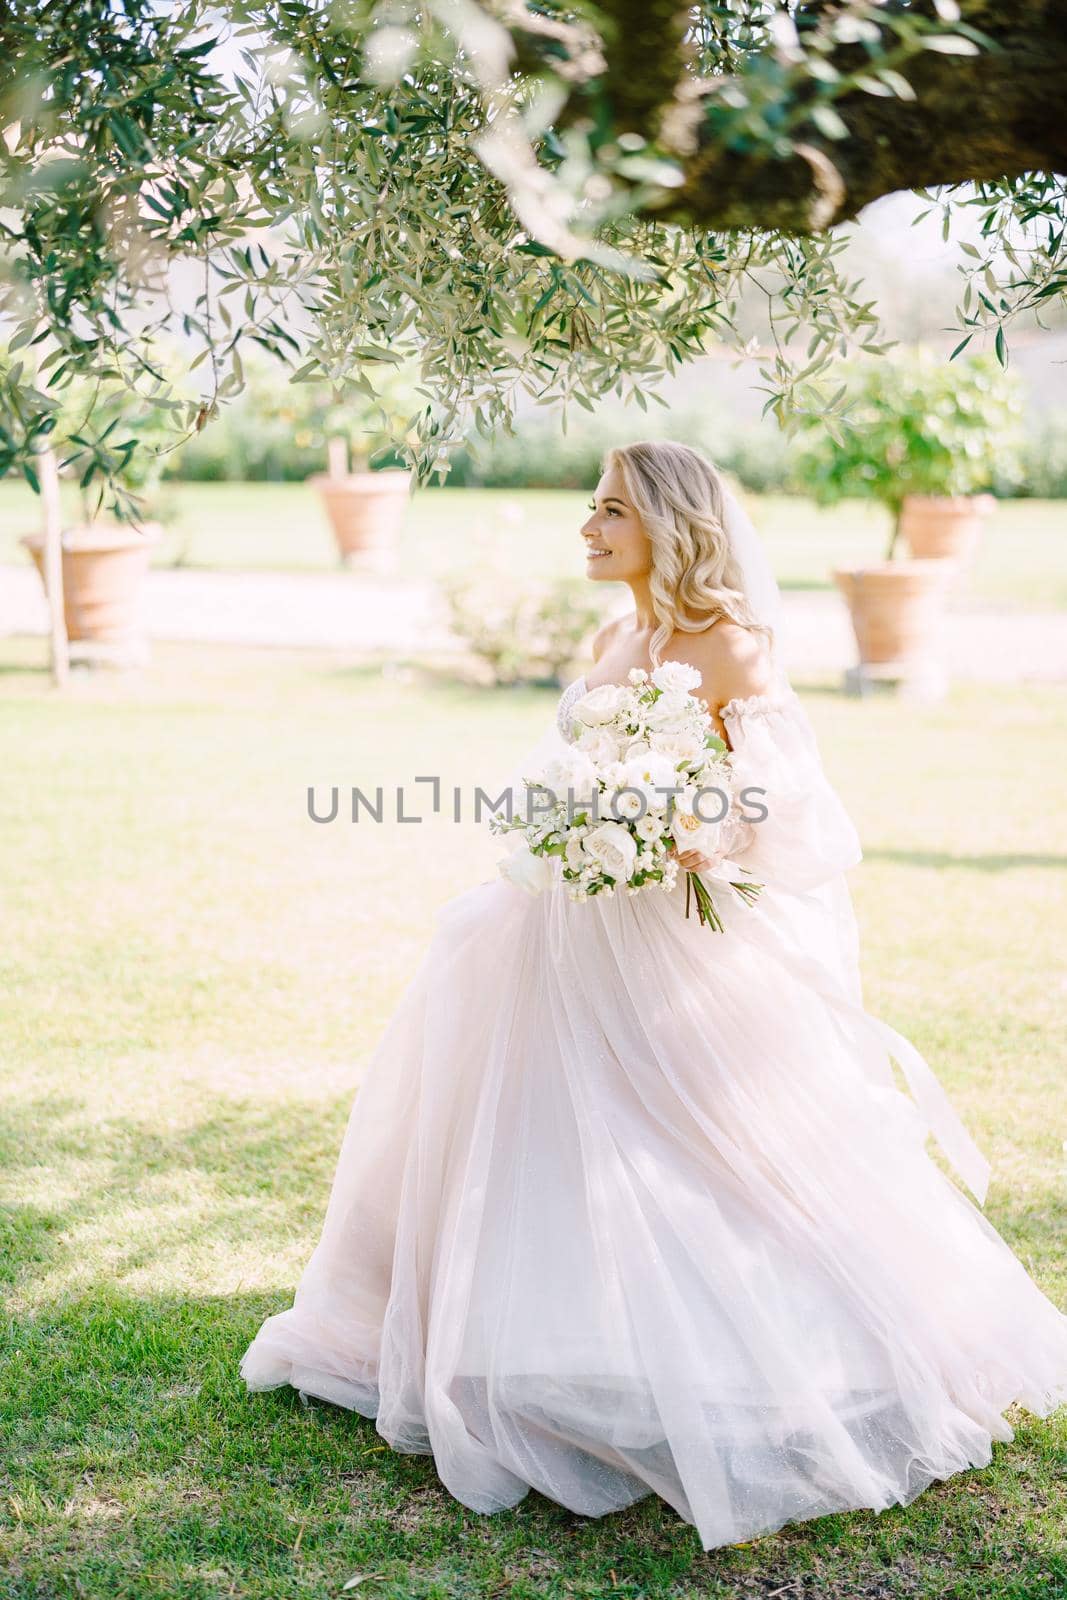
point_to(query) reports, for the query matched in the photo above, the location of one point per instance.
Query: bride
(626, 1205)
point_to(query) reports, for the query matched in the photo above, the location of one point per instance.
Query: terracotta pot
(366, 509)
(934, 525)
(104, 565)
(896, 607)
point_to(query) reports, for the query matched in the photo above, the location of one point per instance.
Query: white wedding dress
(629, 1205)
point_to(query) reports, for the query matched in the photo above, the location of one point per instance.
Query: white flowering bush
(646, 777)
(524, 633)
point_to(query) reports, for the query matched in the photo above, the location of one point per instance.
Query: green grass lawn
(535, 532)
(194, 975)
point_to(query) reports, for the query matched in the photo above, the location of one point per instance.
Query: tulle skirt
(623, 1206)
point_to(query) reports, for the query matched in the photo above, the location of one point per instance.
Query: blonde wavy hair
(680, 499)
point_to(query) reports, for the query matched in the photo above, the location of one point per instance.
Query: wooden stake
(337, 456)
(48, 475)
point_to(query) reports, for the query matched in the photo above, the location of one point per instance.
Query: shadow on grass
(29, 669)
(139, 1464)
(282, 1158)
(1034, 1226)
(807, 586)
(454, 682)
(453, 678)
(944, 858)
(255, 1148)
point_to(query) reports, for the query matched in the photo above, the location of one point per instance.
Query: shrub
(523, 636)
(917, 424)
(277, 431)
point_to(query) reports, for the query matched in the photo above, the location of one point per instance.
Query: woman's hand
(695, 860)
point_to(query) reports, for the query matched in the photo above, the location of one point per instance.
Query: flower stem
(705, 904)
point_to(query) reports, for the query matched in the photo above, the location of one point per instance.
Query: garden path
(381, 616)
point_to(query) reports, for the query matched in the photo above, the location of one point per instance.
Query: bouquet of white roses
(646, 776)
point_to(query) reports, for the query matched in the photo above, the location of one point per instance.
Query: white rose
(649, 770)
(678, 746)
(571, 769)
(575, 852)
(601, 704)
(637, 750)
(600, 745)
(692, 834)
(527, 871)
(613, 847)
(649, 827)
(653, 777)
(630, 805)
(671, 712)
(676, 676)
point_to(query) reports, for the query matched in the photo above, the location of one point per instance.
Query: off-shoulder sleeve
(807, 836)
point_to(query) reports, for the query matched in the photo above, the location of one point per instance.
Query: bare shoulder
(732, 660)
(602, 638)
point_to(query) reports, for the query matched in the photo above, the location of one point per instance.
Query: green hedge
(1044, 461)
(242, 444)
